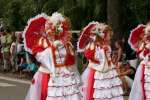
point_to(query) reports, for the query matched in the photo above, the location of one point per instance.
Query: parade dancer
(35, 41)
(140, 41)
(100, 79)
(59, 59)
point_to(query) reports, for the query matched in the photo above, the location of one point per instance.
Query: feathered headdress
(58, 26)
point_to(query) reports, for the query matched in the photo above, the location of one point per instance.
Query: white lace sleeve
(46, 59)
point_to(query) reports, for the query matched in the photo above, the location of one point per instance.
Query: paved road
(12, 89)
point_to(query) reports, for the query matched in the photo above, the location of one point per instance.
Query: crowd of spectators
(13, 57)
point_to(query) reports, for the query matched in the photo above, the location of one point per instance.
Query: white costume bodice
(103, 57)
(60, 54)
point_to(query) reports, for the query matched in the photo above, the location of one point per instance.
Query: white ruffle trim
(107, 75)
(69, 97)
(108, 83)
(147, 82)
(65, 84)
(147, 86)
(147, 74)
(147, 93)
(108, 93)
(65, 80)
(116, 98)
(147, 70)
(63, 91)
(147, 78)
(64, 77)
(107, 86)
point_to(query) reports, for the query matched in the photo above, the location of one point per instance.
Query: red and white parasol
(136, 35)
(34, 31)
(84, 37)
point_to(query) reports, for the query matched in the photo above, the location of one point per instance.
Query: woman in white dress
(141, 44)
(100, 79)
(58, 59)
(36, 43)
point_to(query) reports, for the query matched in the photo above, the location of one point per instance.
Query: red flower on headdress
(58, 26)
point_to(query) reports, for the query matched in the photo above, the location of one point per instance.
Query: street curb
(15, 80)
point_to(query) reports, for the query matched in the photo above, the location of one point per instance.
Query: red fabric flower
(70, 60)
(89, 54)
(37, 49)
(33, 81)
(146, 51)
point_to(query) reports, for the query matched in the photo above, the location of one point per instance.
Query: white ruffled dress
(107, 85)
(141, 85)
(64, 81)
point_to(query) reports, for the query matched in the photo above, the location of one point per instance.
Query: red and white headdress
(136, 36)
(45, 27)
(34, 30)
(58, 26)
(85, 36)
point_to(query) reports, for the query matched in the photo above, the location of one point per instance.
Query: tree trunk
(114, 17)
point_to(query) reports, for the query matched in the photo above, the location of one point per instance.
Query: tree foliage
(15, 13)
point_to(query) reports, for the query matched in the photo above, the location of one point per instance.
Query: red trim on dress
(44, 86)
(143, 82)
(90, 89)
(69, 58)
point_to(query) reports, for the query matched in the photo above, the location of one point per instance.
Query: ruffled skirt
(101, 85)
(65, 85)
(147, 82)
(141, 84)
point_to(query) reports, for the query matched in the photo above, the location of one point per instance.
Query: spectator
(13, 52)
(32, 65)
(127, 73)
(130, 54)
(6, 40)
(125, 70)
(20, 52)
(1, 55)
(118, 61)
(117, 56)
(28, 68)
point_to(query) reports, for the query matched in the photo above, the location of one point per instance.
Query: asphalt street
(13, 89)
